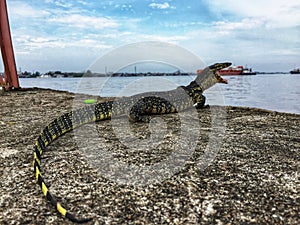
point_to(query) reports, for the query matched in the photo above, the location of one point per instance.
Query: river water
(278, 92)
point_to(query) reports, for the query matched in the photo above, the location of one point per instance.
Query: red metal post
(10, 69)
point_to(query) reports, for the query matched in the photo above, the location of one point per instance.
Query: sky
(70, 35)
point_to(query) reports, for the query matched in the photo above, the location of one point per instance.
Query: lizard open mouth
(221, 79)
(216, 68)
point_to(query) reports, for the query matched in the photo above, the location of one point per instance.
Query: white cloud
(243, 24)
(80, 21)
(174, 39)
(277, 13)
(60, 3)
(63, 4)
(164, 5)
(125, 37)
(90, 43)
(30, 43)
(23, 10)
(254, 32)
(229, 28)
(82, 2)
(46, 52)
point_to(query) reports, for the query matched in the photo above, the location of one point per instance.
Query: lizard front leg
(200, 102)
(195, 92)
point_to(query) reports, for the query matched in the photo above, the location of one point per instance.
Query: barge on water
(295, 71)
(236, 70)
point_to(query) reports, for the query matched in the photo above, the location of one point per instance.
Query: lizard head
(210, 76)
(215, 69)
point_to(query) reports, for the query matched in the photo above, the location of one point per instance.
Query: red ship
(236, 70)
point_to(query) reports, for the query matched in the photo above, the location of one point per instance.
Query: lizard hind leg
(137, 113)
(142, 110)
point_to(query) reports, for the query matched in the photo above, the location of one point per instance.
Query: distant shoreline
(61, 74)
(76, 75)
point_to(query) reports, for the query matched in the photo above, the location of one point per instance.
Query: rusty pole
(10, 70)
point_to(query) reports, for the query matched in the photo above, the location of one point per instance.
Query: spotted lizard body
(137, 107)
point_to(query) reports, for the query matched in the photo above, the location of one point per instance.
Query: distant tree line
(36, 74)
(27, 74)
(89, 73)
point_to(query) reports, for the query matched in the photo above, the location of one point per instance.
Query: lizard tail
(55, 129)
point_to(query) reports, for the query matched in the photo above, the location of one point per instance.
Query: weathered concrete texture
(138, 173)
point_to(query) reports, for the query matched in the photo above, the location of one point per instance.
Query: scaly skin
(137, 107)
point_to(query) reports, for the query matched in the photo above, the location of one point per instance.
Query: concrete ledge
(253, 179)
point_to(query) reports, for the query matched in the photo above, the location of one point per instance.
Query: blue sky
(69, 35)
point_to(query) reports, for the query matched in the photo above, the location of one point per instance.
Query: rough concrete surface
(236, 165)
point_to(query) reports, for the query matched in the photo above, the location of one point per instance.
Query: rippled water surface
(278, 92)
